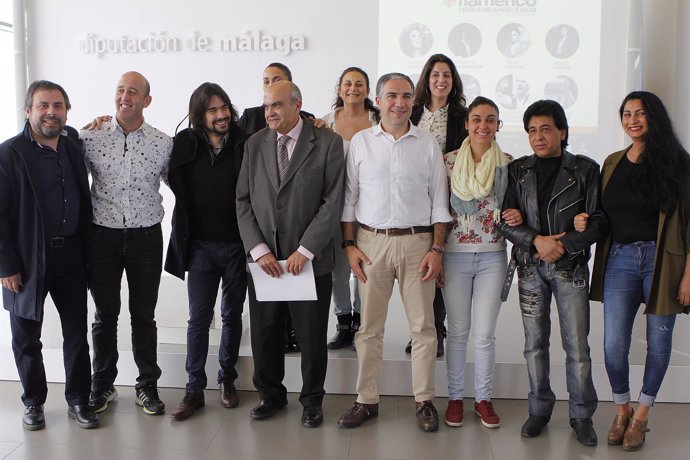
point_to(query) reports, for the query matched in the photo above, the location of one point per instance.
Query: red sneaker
(454, 412)
(485, 411)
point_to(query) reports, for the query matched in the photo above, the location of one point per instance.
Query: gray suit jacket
(305, 209)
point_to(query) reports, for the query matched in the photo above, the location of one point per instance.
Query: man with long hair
(205, 240)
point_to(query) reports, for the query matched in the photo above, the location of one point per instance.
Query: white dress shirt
(395, 183)
(126, 171)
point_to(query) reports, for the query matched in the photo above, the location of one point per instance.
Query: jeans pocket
(614, 249)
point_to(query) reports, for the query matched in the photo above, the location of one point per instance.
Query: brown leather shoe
(228, 395)
(618, 428)
(427, 417)
(358, 414)
(190, 403)
(635, 434)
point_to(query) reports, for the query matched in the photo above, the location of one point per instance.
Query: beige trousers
(395, 257)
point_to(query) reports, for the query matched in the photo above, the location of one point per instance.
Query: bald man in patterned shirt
(127, 159)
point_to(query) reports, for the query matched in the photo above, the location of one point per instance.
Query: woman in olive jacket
(645, 257)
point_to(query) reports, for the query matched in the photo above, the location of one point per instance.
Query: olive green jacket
(672, 247)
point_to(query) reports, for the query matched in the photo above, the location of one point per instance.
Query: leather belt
(398, 231)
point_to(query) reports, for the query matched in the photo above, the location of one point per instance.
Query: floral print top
(436, 123)
(482, 234)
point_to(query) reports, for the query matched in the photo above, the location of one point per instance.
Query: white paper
(287, 287)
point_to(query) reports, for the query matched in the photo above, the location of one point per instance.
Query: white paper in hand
(287, 287)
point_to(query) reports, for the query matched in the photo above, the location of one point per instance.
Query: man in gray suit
(288, 206)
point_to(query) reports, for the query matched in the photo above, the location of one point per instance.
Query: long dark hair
(664, 162)
(198, 103)
(368, 103)
(456, 98)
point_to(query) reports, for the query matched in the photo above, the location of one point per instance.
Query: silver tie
(282, 157)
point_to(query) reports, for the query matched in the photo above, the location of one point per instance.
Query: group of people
(413, 189)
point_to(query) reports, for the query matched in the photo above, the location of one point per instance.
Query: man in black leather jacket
(550, 188)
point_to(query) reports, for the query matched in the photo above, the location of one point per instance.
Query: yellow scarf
(472, 181)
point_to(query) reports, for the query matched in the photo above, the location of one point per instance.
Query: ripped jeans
(628, 279)
(536, 284)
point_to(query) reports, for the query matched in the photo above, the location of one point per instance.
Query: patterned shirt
(126, 170)
(482, 235)
(437, 124)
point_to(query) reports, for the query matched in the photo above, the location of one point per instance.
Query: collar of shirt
(63, 133)
(143, 129)
(442, 111)
(293, 134)
(412, 131)
(216, 150)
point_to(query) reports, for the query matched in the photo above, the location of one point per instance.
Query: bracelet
(439, 249)
(347, 243)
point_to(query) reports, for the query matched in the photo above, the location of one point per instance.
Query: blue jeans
(211, 263)
(627, 282)
(341, 284)
(472, 296)
(138, 252)
(536, 285)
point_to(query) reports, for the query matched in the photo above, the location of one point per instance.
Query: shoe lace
(356, 409)
(487, 408)
(148, 394)
(426, 409)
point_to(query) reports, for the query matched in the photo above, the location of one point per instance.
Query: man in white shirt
(127, 159)
(396, 189)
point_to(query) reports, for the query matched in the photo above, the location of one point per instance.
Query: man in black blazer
(205, 240)
(288, 206)
(45, 216)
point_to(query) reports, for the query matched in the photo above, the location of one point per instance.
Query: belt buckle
(57, 242)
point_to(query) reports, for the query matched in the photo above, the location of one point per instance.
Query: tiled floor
(126, 433)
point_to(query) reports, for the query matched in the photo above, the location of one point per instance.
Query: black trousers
(139, 253)
(439, 309)
(65, 280)
(310, 320)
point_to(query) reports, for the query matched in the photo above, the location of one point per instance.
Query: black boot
(355, 328)
(343, 335)
(440, 336)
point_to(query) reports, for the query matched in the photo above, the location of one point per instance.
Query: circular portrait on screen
(561, 89)
(416, 40)
(470, 86)
(513, 40)
(464, 40)
(512, 91)
(562, 41)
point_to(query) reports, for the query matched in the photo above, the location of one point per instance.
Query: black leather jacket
(576, 190)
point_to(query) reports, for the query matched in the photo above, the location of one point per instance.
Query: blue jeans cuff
(647, 400)
(623, 398)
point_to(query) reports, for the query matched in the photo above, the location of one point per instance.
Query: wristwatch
(347, 243)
